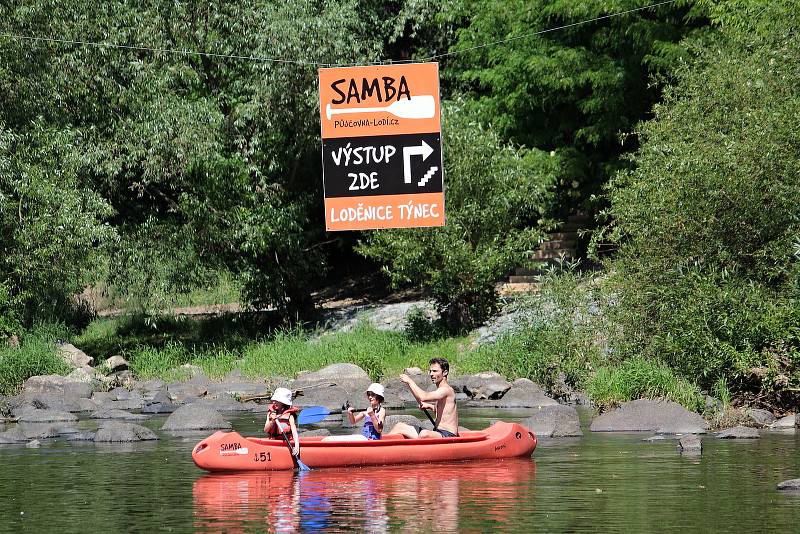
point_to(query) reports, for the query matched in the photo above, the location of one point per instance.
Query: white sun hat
(377, 389)
(282, 395)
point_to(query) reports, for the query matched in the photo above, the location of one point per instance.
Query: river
(598, 483)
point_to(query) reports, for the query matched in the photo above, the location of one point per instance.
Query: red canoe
(230, 451)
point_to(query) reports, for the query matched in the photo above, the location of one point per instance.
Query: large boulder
(159, 403)
(739, 432)
(398, 394)
(523, 393)
(660, 416)
(485, 385)
(74, 356)
(332, 386)
(554, 421)
(760, 418)
(784, 423)
(57, 385)
(183, 392)
(12, 435)
(119, 432)
(218, 390)
(392, 420)
(195, 417)
(116, 414)
(29, 414)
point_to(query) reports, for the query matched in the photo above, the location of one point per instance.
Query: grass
(639, 378)
(36, 355)
(161, 351)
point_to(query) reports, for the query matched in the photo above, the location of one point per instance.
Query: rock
(82, 436)
(225, 404)
(86, 375)
(116, 363)
(218, 390)
(790, 485)
(554, 421)
(523, 393)
(13, 435)
(690, 444)
(74, 356)
(116, 414)
(33, 444)
(118, 432)
(332, 386)
(191, 417)
(330, 396)
(739, 432)
(160, 403)
(392, 420)
(195, 388)
(485, 385)
(784, 423)
(57, 385)
(660, 416)
(40, 430)
(34, 415)
(760, 418)
(397, 394)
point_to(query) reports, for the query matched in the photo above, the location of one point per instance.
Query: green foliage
(574, 90)
(707, 272)
(639, 378)
(377, 352)
(52, 226)
(558, 342)
(154, 171)
(35, 356)
(492, 189)
(9, 323)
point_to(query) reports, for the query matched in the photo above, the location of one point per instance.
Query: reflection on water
(404, 498)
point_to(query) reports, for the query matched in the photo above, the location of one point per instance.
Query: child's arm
(354, 417)
(295, 437)
(270, 421)
(378, 419)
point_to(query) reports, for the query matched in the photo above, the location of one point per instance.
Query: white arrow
(423, 150)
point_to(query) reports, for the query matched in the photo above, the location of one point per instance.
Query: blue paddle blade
(313, 414)
(301, 466)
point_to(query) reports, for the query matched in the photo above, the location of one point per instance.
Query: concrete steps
(558, 247)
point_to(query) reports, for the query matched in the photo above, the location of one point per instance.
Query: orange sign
(381, 146)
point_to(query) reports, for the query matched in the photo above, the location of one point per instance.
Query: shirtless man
(445, 404)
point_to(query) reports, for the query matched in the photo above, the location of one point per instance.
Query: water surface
(601, 482)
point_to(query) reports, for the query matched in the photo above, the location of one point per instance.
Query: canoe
(230, 451)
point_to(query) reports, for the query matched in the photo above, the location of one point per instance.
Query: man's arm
(420, 394)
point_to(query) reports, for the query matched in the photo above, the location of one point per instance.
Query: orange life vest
(282, 421)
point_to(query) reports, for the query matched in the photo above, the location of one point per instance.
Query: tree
(490, 187)
(574, 90)
(707, 275)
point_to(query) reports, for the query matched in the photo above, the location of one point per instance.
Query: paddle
(416, 107)
(315, 414)
(300, 465)
(429, 417)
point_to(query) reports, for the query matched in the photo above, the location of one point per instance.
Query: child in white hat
(375, 415)
(281, 417)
